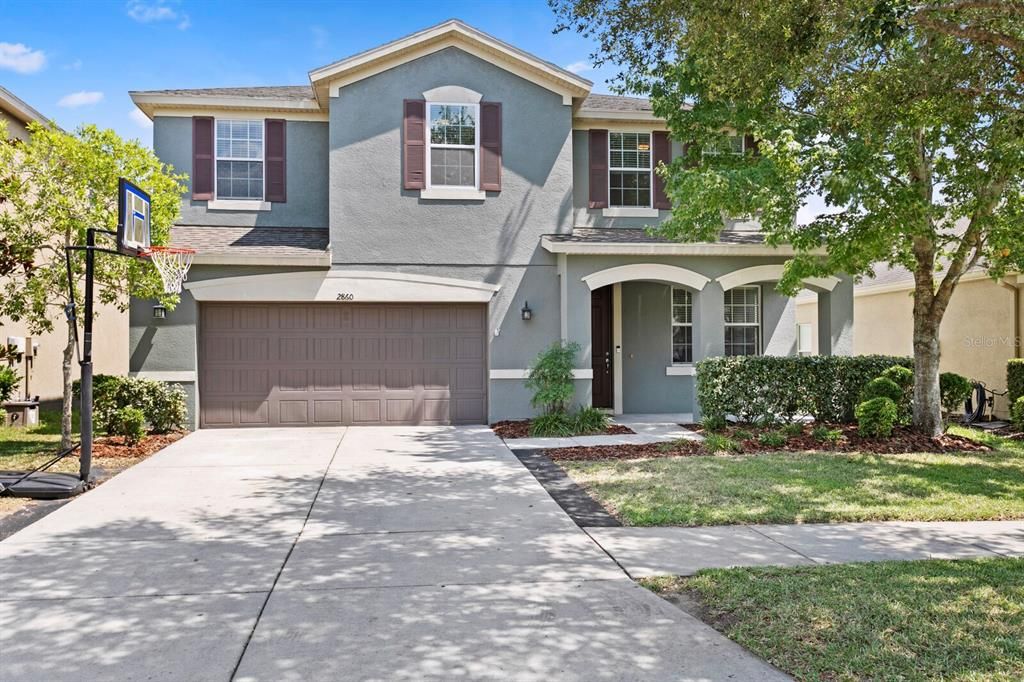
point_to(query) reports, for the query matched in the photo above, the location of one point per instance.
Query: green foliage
(1017, 413)
(742, 434)
(589, 420)
(793, 429)
(550, 377)
(8, 382)
(877, 417)
(882, 388)
(711, 423)
(824, 434)
(552, 424)
(128, 422)
(901, 376)
(716, 443)
(772, 439)
(1015, 379)
(759, 389)
(162, 403)
(956, 389)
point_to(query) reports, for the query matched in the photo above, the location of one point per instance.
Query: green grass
(810, 487)
(914, 620)
(29, 447)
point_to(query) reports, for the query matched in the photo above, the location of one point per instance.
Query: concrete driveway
(334, 554)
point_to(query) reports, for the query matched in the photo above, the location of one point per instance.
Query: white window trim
(673, 324)
(743, 148)
(760, 331)
(650, 172)
(437, 192)
(628, 211)
(234, 204)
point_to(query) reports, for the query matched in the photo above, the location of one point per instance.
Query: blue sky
(76, 61)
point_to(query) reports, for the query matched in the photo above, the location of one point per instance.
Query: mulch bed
(903, 440)
(520, 428)
(115, 447)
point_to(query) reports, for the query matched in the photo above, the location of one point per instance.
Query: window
(239, 159)
(804, 339)
(682, 326)
(731, 144)
(743, 321)
(629, 169)
(453, 145)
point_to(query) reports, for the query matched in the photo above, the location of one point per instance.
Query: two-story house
(396, 241)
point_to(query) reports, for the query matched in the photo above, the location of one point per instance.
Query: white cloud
(140, 119)
(320, 36)
(20, 58)
(579, 67)
(73, 66)
(159, 10)
(80, 99)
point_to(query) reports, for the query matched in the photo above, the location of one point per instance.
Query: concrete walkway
(645, 552)
(646, 429)
(321, 554)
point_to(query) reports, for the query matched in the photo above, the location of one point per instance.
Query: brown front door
(602, 354)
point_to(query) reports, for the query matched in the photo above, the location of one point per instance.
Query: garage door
(285, 364)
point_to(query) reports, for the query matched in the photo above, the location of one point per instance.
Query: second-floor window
(239, 165)
(730, 144)
(629, 169)
(453, 145)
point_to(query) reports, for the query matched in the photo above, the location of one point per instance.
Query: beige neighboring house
(110, 348)
(981, 330)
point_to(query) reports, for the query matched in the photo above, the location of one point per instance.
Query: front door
(601, 346)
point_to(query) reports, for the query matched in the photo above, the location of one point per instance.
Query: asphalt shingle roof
(616, 103)
(254, 241)
(630, 235)
(292, 92)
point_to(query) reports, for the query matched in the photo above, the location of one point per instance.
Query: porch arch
(770, 273)
(658, 272)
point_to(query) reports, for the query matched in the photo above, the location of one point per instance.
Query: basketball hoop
(172, 263)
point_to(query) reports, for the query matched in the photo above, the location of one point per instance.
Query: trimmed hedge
(1017, 413)
(1015, 379)
(765, 388)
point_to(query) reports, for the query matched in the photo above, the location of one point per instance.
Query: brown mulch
(115, 447)
(903, 440)
(520, 428)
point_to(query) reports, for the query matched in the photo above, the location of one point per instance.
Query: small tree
(55, 187)
(550, 377)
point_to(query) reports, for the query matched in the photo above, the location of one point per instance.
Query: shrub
(715, 443)
(8, 381)
(955, 390)
(901, 376)
(742, 434)
(882, 388)
(793, 429)
(712, 423)
(823, 434)
(876, 417)
(590, 420)
(772, 439)
(163, 404)
(764, 388)
(551, 424)
(550, 377)
(1015, 379)
(128, 422)
(1017, 413)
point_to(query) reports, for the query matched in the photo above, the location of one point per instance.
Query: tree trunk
(65, 417)
(927, 397)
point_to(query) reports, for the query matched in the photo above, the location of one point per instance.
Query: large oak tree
(904, 116)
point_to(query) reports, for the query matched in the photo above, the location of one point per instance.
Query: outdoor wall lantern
(159, 312)
(526, 312)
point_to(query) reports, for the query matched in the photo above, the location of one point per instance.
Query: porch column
(835, 319)
(708, 330)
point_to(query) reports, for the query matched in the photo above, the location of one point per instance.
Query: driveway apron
(330, 554)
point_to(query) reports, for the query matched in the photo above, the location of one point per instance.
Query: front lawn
(915, 620)
(810, 487)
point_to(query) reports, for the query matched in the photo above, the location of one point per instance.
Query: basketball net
(172, 264)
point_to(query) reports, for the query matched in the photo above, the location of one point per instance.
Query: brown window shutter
(275, 173)
(662, 154)
(202, 158)
(490, 146)
(414, 144)
(750, 145)
(689, 162)
(598, 169)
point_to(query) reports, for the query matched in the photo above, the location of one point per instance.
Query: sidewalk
(644, 552)
(646, 429)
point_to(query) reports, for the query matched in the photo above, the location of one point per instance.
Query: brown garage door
(287, 364)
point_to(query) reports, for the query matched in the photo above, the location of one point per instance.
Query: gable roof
(18, 108)
(452, 33)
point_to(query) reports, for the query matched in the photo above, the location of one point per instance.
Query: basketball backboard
(132, 219)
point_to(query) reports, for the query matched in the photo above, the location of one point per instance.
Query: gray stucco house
(396, 241)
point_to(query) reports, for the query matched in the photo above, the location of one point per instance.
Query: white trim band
(584, 248)
(627, 212)
(182, 377)
(524, 373)
(657, 272)
(458, 194)
(680, 371)
(237, 205)
(770, 273)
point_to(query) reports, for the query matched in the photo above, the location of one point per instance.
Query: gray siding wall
(647, 351)
(306, 164)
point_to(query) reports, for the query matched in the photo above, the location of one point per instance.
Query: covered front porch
(644, 314)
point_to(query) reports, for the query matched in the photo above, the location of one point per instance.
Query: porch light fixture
(159, 312)
(526, 312)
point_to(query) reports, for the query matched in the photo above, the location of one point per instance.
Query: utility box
(21, 413)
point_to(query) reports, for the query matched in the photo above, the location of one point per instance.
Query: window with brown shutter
(490, 146)
(275, 149)
(202, 158)
(662, 154)
(598, 169)
(414, 150)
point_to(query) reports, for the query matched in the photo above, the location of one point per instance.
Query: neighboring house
(396, 242)
(110, 352)
(982, 328)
